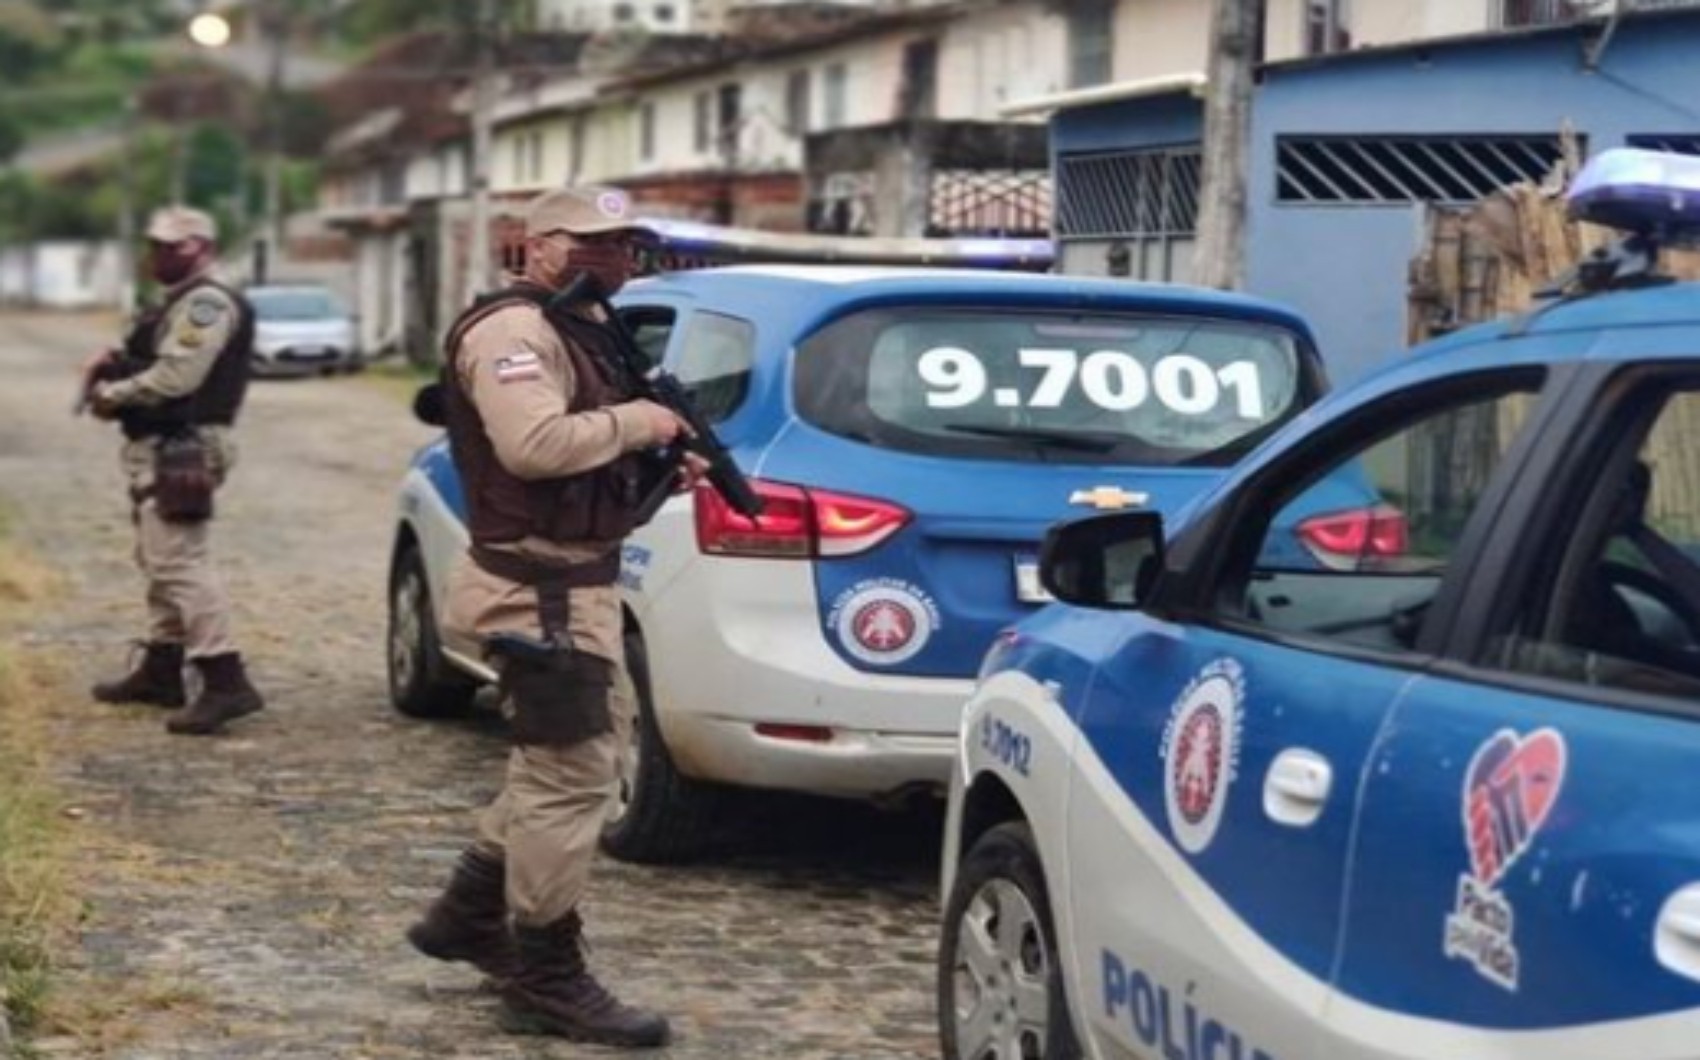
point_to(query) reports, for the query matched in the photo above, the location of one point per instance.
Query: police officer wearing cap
(175, 389)
(546, 439)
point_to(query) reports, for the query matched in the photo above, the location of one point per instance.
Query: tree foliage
(29, 38)
(11, 137)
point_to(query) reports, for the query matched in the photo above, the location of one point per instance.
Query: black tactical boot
(225, 696)
(469, 920)
(555, 994)
(157, 680)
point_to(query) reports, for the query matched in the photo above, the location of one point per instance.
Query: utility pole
(127, 208)
(179, 191)
(274, 24)
(478, 271)
(1236, 46)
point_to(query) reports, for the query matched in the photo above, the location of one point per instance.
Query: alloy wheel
(406, 628)
(1002, 967)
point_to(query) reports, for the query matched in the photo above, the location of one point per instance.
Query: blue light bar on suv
(1649, 192)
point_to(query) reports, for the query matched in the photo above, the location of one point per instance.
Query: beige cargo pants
(186, 598)
(548, 819)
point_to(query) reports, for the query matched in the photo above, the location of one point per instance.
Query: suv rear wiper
(1077, 440)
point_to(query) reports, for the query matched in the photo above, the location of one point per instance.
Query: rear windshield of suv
(1057, 387)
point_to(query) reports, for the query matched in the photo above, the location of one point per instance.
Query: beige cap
(582, 212)
(174, 224)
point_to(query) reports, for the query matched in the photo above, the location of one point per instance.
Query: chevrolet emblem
(1109, 498)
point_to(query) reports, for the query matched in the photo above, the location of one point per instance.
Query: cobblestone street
(246, 895)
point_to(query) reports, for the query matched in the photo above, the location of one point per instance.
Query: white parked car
(300, 329)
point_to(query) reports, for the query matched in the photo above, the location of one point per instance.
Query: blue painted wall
(1161, 121)
(1344, 267)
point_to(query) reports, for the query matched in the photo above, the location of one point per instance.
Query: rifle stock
(656, 384)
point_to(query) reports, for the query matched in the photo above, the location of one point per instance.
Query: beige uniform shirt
(188, 339)
(515, 368)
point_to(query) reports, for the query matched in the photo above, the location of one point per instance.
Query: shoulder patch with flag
(518, 367)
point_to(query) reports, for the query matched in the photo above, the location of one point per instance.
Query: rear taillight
(784, 529)
(1380, 532)
(795, 523)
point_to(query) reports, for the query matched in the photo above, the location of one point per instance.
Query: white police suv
(912, 433)
(1439, 802)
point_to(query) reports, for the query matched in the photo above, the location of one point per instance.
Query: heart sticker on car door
(1509, 790)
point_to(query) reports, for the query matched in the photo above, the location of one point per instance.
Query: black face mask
(610, 264)
(172, 263)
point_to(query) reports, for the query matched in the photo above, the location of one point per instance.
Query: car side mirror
(429, 407)
(1110, 562)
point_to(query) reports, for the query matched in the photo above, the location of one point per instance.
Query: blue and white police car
(1442, 802)
(913, 433)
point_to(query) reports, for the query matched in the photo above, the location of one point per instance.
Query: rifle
(654, 383)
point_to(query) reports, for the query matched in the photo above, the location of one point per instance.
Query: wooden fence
(1486, 261)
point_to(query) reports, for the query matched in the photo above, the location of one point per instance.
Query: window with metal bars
(1394, 170)
(974, 202)
(1515, 13)
(1328, 26)
(1512, 14)
(1676, 143)
(1091, 43)
(1151, 192)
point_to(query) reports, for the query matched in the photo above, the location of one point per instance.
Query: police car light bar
(1652, 193)
(688, 236)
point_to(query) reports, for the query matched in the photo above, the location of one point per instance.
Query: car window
(1052, 386)
(716, 357)
(651, 327)
(294, 304)
(1357, 553)
(1617, 602)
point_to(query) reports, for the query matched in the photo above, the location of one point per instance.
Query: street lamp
(210, 30)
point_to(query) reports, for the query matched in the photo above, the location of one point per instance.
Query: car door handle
(1297, 786)
(1676, 940)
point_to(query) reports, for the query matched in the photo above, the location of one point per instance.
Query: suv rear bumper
(733, 644)
(852, 764)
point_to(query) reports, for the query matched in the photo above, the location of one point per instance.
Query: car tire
(663, 816)
(423, 683)
(988, 965)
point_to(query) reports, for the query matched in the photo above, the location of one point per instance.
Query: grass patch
(44, 857)
(36, 906)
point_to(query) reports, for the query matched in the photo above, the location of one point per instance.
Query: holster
(559, 698)
(183, 480)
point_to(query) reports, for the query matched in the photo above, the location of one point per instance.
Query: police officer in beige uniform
(545, 437)
(176, 388)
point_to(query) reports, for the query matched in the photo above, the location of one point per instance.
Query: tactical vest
(219, 397)
(594, 506)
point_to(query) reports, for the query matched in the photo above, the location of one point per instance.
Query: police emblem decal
(1200, 753)
(612, 204)
(1510, 788)
(883, 621)
(204, 312)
